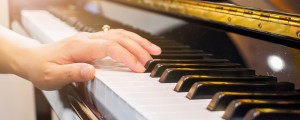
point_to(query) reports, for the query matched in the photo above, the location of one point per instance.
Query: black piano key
(151, 63)
(185, 82)
(221, 99)
(168, 43)
(237, 109)
(182, 51)
(272, 114)
(79, 26)
(97, 27)
(98, 21)
(174, 74)
(71, 21)
(155, 38)
(161, 67)
(88, 29)
(204, 90)
(165, 42)
(183, 56)
(176, 47)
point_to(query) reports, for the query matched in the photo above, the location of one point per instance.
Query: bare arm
(51, 66)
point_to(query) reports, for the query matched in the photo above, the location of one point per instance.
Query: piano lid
(269, 25)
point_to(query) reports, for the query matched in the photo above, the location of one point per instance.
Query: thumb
(77, 72)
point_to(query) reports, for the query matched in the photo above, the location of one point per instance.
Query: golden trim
(265, 21)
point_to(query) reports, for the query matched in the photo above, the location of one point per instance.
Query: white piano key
(143, 88)
(138, 83)
(151, 98)
(45, 27)
(199, 115)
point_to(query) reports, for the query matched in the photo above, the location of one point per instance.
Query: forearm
(13, 48)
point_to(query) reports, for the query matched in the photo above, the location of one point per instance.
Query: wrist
(22, 59)
(15, 52)
(18, 59)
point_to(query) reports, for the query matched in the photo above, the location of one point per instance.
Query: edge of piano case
(256, 23)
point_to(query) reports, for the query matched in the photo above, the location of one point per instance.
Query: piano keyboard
(172, 87)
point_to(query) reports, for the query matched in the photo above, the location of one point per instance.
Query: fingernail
(87, 71)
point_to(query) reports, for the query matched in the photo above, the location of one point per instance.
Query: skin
(52, 66)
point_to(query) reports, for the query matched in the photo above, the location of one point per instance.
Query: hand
(52, 66)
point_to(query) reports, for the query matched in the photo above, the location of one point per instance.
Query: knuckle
(76, 40)
(112, 44)
(68, 75)
(119, 31)
(122, 37)
(82, 34)
(44, 82)
(135, 34)
(132, 60)
(47, 80)
(47, 75)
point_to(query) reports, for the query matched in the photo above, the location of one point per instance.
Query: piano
(220, 60)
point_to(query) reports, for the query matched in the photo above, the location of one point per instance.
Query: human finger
(119, 53)
(135, 48)
(60, 75)
(150, 47)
